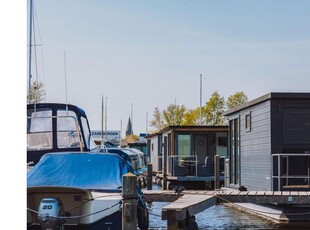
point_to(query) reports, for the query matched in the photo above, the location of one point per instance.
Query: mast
(102, 120)
(106, 119)
(29, 52)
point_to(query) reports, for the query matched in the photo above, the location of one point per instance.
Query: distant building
(129, 130)
(269, 143)
(112, 136)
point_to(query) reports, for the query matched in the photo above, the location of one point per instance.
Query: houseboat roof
(269, 96)
(189, 128)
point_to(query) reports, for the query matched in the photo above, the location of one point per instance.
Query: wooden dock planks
(192, 204)
(257, 197)
(189, 203)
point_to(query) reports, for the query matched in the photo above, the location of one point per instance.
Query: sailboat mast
(102, 118)
(29, 52)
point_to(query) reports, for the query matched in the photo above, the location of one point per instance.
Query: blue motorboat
(79, 190)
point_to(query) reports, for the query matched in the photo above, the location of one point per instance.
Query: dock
(186, 204)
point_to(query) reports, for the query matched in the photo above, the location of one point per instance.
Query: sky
(147, 54)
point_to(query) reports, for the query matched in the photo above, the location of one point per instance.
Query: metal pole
(102, 118)
(279, 173)
(175, 111)
(200, 114)
(147, 121)
(106, 119)
(30, 44)
(165, 155)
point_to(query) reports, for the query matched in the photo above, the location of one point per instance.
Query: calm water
(223, 217)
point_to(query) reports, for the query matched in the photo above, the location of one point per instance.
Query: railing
(182, 166)
(290, 171)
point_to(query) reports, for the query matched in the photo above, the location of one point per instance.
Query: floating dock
(279, 206)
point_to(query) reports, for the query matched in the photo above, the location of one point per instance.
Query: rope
(77, 217)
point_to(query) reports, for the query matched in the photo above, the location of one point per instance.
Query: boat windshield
(68, 130)
(39, 130)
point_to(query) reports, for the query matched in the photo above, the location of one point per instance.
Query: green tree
(213, 110)
(37, 93)
(236, 99)
(191, 117)
(157, 121)
(173, 115)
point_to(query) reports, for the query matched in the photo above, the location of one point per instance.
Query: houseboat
(269, 143)
(185, 154)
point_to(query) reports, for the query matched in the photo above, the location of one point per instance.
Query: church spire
(129, 130)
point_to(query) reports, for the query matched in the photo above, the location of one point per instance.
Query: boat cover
(80, 170)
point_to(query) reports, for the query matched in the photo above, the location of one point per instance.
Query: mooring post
(172, 223)
(165, 165)
(149, 176)
(129, 212)
(216, 172)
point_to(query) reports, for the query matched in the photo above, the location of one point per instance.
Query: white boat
(73, 190)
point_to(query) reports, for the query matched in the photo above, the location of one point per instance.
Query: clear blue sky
(150, 53)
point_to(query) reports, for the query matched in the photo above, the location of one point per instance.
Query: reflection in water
(223, 217)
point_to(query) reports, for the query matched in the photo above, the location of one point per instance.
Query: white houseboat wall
(190, 152)
(269, 143)
(154, 152)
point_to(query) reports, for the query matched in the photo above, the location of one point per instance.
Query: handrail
(174, 161)
(280, 174)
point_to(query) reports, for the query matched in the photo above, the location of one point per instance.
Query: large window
(296, 125)
(184, 145)
(234, 130)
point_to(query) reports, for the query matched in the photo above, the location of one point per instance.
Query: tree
(157, 122)
(173, 115)
(213, 110)
(236, 99)
(37, 93)
(191, 117)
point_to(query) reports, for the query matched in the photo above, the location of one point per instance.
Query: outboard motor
(49, 210)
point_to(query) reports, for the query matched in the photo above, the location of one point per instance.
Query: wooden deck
(227, 195)
(188, 203)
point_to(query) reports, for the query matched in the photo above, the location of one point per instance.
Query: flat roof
(269, 96)
(189, 128)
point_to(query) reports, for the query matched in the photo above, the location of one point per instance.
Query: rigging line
(35, 53)
(147, 210)
(75, 217)
(40, 38)
(70, 210)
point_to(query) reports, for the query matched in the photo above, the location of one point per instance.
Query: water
(223, 217)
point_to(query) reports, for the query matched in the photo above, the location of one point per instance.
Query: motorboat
(137, 161)
(79, 190)
(56, 127)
